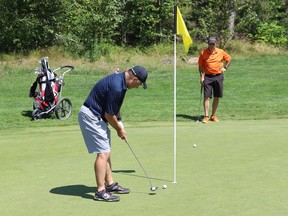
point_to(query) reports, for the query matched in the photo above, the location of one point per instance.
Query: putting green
(238, 168)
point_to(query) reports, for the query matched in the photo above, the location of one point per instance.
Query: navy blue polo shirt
(107, 95)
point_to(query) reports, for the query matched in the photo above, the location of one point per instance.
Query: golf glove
(121, 124)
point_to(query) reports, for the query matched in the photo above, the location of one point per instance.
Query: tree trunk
(232, 18)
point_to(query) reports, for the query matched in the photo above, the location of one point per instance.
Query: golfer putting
(101, 109)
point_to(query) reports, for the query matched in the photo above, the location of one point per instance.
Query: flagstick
(187, 41)
(175, 135)
(175, 145)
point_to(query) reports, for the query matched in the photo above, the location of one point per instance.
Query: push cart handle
(67, 66)
(70, 68)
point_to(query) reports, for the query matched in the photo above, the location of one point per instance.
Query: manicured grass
(238, 168)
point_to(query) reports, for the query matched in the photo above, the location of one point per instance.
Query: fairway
(238, 168)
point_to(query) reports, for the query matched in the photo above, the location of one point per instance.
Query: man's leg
(108, 177)
(100, 168)
(112, 186)
(206, 105)
(207, 95)
(206, 110)
(218, 93)
(215, 105)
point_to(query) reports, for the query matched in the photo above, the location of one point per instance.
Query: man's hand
(112, 119)
(122, 133)
(223, 69)
(201, 80)
(202, 75)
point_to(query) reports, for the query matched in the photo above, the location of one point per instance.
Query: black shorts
(213, 83)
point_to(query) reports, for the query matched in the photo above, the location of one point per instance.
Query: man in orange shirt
(211, 70)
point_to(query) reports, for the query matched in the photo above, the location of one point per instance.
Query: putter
(152, 188)
(200, 100)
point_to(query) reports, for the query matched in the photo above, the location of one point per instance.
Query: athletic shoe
(214, 118)
(114, 187)
(205, 120)
(105, 196)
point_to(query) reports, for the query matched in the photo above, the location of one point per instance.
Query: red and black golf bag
(48, 87)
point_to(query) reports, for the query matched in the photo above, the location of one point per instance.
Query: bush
(271, 33)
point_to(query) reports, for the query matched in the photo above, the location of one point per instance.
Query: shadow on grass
(28, 114)
(123, 171)
(194, 118)
(128, 172)
(84, 191)
(74, 190)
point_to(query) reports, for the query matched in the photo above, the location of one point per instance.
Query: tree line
(89, 26)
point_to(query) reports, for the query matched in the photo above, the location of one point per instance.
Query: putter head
(154, 188)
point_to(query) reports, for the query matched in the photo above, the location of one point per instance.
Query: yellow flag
(182, 30)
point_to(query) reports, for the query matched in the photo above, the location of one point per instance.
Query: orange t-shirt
(213, 62)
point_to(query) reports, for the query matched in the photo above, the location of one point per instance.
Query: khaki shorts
(95, 131)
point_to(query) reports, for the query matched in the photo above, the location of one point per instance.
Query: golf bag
(49, 87)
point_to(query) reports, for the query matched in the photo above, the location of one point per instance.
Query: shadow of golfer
(75, 190)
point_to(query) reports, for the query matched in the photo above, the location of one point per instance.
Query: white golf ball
(164, 186)
(194, 145)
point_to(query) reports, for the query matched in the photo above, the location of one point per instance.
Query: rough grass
(254, 87)
(121, 57)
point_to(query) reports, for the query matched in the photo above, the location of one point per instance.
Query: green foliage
(251, 14)
(111, 22)
(82, 27)
(166, 24)
(247, 19)
(210, 18)
(27, 25)
(145, 16)
(96, 25)
(271, 33)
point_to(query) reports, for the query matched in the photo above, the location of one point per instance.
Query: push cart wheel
(63, 109)
(36, 114)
